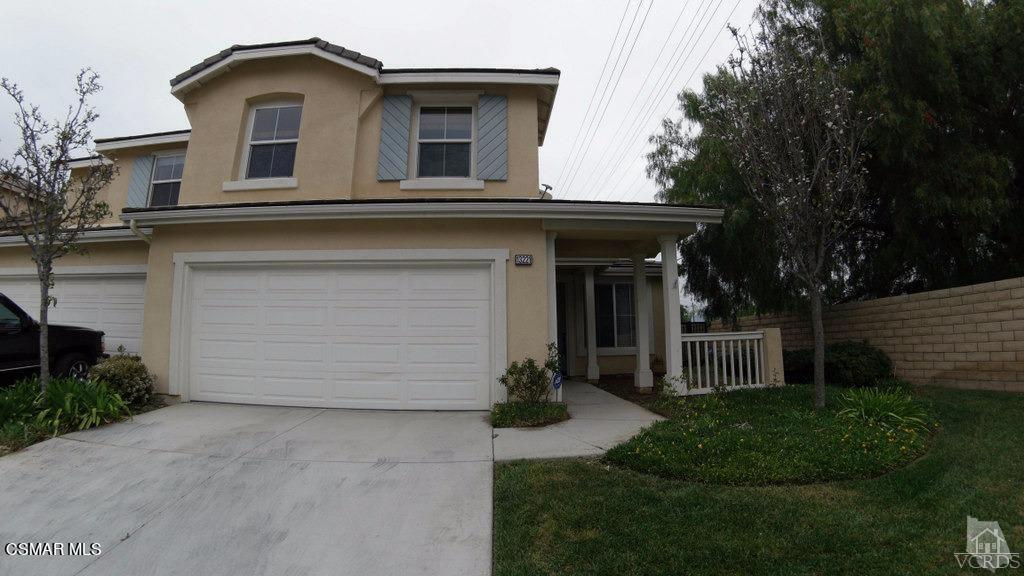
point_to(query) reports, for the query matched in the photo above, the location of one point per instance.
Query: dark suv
(73, 350)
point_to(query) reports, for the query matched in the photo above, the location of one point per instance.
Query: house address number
(524, 259)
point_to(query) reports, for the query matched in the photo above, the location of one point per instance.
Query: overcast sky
(138, 46)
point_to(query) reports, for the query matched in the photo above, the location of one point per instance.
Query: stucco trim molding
(113, 270)
(260, 184)
(186, 262)
(89, 236)
(441, 184)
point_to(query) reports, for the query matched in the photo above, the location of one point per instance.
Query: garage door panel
(223, 349)
(396, 336)
(294, 351)
(113, 304)
(283, 315)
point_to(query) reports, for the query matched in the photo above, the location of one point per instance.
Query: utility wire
(643, 85)
(664, 85)
(694, 71)
(588, 136)
(597, 86)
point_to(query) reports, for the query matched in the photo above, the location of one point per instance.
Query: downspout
(135, 230)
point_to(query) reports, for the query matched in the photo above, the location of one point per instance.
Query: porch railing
(723, 360)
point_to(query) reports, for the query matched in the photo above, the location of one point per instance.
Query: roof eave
(660, 215)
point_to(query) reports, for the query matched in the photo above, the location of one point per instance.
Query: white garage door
(348, 335)
(111, 303)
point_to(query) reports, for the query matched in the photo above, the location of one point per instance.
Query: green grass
(585, 517)
(768, 436)
(527, 414)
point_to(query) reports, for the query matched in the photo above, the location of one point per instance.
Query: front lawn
(589, 517)
(767, 436)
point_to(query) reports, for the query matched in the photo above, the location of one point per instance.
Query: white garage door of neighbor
(112, 303)
(398, 336)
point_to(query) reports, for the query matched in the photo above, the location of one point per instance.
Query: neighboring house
(16, 197)
(334, 233)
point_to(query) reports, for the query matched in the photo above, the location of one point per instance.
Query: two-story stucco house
(331, 232)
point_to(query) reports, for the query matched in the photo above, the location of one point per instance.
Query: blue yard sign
(556, 380)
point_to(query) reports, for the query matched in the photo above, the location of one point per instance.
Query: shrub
(71, 404)
(527, 414)
(886, 407)
(847, 364)
(127, 376)
(17, 403)
(528, 381)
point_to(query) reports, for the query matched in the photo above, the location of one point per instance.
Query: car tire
(73, 366)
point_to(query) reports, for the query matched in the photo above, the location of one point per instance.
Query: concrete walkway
(599, 421)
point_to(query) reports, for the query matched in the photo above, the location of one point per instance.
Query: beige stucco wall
(965, 337)
(131, 252)
(339, 135)
(526, 286)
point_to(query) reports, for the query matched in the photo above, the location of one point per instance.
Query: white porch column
(552, 300)
(643, 377)
(593, 372)
(670, 293)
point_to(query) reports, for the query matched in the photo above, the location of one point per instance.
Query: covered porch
(614, 302)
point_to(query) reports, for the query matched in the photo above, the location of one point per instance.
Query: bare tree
(48, 207)
(797, 141)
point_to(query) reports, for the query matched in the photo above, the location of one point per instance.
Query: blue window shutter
(492, 138)
(138, 186)
(393, 160)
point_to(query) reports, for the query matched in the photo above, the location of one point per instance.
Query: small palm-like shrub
(528, 381)
(891, 408)
(71, 404)
(127, 376)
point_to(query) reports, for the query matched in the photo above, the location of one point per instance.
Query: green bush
(71, 404)
(127, 376)
(17, 403)
(847, 364)
(885, 407)
(527, 414)
(528, 381)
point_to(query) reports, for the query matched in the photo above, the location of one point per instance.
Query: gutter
(134, 227)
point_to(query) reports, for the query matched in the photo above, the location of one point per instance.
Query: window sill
(621, 351)
(442, 184)
(260, 184)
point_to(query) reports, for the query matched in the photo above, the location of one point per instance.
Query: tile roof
(321, 44)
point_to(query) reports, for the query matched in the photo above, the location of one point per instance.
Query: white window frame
(247, 150)
(579, 320)
(469, 100)
(615, 315)
(152, 175)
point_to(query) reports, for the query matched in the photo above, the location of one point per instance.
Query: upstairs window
(616, 316)
(273, 136)
(445, 142)
(166, 183)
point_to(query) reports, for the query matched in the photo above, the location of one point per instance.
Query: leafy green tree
(945, 192)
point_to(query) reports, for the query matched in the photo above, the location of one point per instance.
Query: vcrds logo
(986, 547)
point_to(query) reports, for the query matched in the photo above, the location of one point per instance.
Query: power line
(643, 85)
(664, 84)
(588, 136)
(697, 67)
(597, 86)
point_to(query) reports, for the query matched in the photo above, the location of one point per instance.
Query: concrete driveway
(221, 489)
